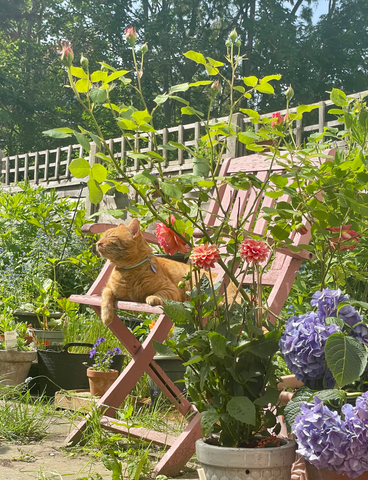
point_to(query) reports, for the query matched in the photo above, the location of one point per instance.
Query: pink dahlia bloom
(169, 241)
(253, 251)
(343, 234)
(204, 256)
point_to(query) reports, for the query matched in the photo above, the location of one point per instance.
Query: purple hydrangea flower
(321, 435)
(302, 345)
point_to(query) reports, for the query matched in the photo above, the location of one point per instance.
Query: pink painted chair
(280, 277)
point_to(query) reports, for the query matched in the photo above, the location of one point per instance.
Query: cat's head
(124, 245)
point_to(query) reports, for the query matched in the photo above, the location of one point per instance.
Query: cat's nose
(100, 244)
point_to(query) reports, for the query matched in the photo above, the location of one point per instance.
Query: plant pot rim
(167, 357)
(211, 455)
(91, 369)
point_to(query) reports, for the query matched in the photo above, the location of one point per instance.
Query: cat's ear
(134, 228)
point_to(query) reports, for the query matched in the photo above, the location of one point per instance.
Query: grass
(24, 418)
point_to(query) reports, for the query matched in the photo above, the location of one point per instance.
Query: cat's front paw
(154, 300)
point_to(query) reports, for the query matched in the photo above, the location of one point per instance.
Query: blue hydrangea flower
(302, 345)
(321, 435)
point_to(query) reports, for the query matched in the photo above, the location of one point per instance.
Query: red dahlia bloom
(344, 234)
(253, 251)
(204, 256)
(169, 241)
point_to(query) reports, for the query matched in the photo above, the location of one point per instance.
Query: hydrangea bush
(314, 345)
(336, 442)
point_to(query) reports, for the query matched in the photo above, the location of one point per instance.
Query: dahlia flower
(204, 256)
(253, 251)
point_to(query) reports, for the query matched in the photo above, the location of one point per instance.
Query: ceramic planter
(246, 463)
(15, 366)
(100, 382)
(324, 474)
(49, 338)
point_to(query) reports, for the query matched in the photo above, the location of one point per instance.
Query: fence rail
(52, 166)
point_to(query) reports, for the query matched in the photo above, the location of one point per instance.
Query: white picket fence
(51, 167)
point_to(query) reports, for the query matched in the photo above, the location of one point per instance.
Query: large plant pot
(100, 382)
(15, 366)
(324, 474)
(64, 370)
(49, 338)
(174, 369)
(31, 318)
(246, 463)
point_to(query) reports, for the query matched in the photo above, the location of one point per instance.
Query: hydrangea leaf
(346, 357)
(242, 409)
(292, 409)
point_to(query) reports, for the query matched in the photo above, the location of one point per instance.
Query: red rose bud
(233, 36)
(144, 48)
(215, 88)
(278, 119)
(289, 93)
(67, 55)
(301, 228)
(131, 36)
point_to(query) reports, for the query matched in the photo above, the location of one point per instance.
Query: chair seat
(95, 300)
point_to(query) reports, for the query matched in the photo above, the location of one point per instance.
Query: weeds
(23, 417)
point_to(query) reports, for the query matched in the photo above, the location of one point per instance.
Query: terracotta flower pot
(325, 474)
(100, 382)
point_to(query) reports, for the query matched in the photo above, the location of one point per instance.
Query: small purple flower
(303, 347)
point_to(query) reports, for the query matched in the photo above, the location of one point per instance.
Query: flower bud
(301, 228)
(144, 48)
(84, 62)
(215, 88)
(181, 284)
(131, 36)
(227, 43)
(67, 55)
(238, 43)
(233, 36)
(289, 93)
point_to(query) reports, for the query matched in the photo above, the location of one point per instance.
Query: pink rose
(278, 119)
(344, 235)
(67, 55)
(131, 36)
(169, 241)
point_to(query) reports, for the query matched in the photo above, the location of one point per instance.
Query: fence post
(233, 146)
(2, 165)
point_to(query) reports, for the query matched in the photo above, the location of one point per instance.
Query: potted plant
(231, 371)
(16, 351)
(327, 350)
(101, 375)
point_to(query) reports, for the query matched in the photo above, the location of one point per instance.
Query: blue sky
(320, 9)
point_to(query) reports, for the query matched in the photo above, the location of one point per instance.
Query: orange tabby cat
(151, 281)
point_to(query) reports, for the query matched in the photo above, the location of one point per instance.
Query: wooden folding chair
(280, 277)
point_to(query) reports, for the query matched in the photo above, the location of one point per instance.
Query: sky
(320, 9)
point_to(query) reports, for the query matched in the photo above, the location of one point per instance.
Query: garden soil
(48, 460)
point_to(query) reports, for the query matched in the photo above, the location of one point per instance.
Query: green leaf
(95, 139)
(208, 419)
(268, 78)
(195, 56)
(98, 172)
(280, 231)
(338, 97)
(247, 137)
(171, 190)
(122, 188)
(162, 349)
(271, 396)
(177, 313)
(335, 321)
(202, 82)
(78, 72)
(179, 99)
(116, 75)
(346, 357)
(218, 344)
(264, 88)
(141, 117)
(82, 140)
(250, 81)
(58, 132)
(144, 178)
(95, 192)
(160, 99)
(98, 95)
(79, 167)
(190, 111)
(251, 113)
(306, 108)
(182, 87)
(193, 360)
(214, 63)
(240, 89)
(279, 180)
(264, 346)
(83, 85)
(292, 409)
(98, 76)
(242, 409)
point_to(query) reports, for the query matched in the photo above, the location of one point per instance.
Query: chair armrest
(97, 227)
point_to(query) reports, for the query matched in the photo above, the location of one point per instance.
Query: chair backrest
(248, 206)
